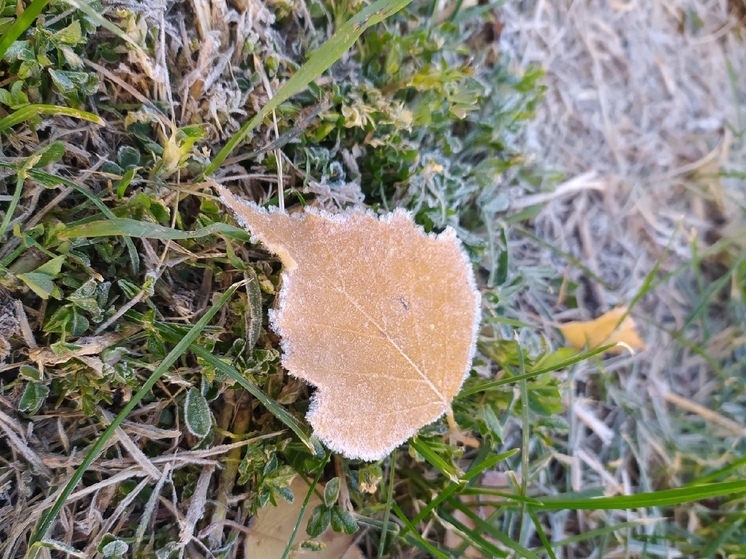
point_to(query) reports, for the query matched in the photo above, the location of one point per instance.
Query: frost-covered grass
(143, 407)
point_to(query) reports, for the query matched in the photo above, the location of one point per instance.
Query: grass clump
(143, 401)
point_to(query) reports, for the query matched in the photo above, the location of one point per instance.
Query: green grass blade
(47, 178)
(414, 537)
(525, 434)
(319, 61)
(393, 529)
(542, 536)
(600, 532)
(507, 321)
(494, 384)
(389, 502)
(184, 342)
(667, 497)
(488, 463)
(454, 488)
(482, 490)
(144, 230)
(716, 544)
(720, 473)
(30, 111)
(459, 16)
(277, 410)
(706, 298)
(525, 425)
(304, 506)
(475, 538)
(488, 528)
(11, 207)
(20, 25)
(448, 470)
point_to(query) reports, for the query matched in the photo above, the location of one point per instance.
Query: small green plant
(50, 60)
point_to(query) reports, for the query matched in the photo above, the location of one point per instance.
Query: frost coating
(378, 315)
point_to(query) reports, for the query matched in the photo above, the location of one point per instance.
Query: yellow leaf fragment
(378, 315)
(612, 327)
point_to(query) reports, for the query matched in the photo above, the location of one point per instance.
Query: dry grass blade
(13, 436)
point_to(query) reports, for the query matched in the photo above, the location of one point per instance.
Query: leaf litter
(378, 315)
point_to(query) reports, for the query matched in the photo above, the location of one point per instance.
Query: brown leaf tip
(377, 314)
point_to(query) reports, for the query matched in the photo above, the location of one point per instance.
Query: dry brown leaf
(375, 313)
(605, 330)
(271, 528)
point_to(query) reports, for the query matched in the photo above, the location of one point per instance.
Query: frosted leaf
(379, 316)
